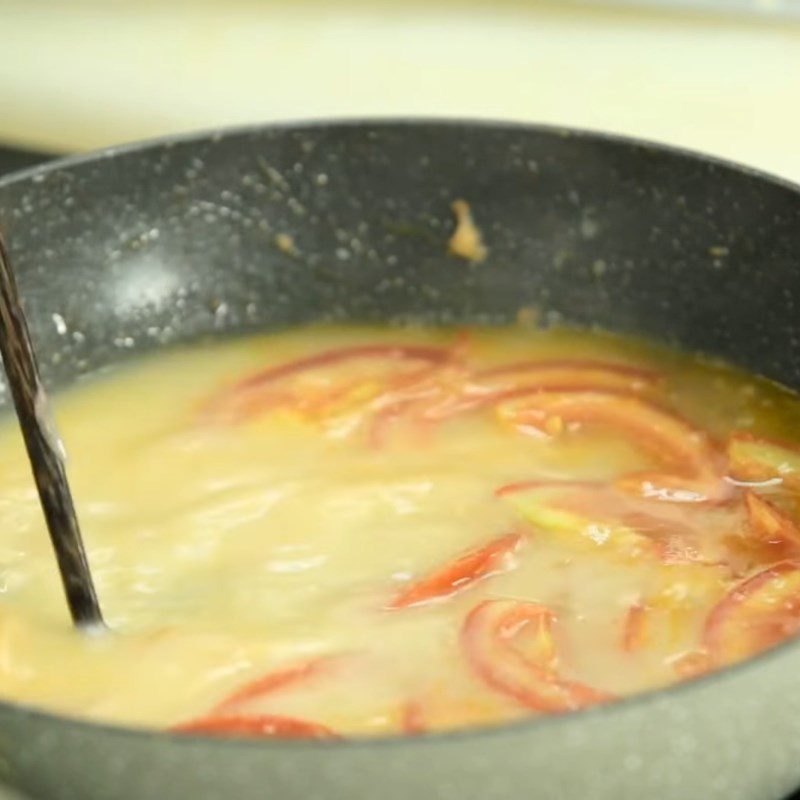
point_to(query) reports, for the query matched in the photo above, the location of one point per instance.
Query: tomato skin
(443, 388)
(262, 391)
(460, 573)
(755, 614)
(262, 726)
(487, 638)
(226, 719)
(272, 682)
(465, 390)
(394, 352)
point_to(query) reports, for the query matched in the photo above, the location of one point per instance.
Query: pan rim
(488, 124)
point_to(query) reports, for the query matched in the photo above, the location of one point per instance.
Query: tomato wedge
(661, 432)
(770, 525)
(272, 682)
(457, 575)
(755, 459)
(262, 390)
(756, 614)
(491, 638)
(263, 726)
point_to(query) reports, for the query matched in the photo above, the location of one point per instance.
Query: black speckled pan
(126, 251)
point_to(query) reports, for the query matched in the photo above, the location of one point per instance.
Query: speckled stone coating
(126, 251)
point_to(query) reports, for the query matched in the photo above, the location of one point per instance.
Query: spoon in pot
(45, 452)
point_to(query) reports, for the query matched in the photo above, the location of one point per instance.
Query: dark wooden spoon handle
(44, 451)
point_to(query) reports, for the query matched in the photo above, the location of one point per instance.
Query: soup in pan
(337, 532)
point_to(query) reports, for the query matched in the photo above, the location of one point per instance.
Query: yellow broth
(234, 540)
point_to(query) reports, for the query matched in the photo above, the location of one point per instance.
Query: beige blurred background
(708, 75)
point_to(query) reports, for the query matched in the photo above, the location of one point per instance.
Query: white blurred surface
(79, 75)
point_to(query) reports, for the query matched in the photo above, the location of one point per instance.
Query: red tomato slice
(770, 524)
(756, 459)
(272, 682)
(392, 352)
(489, 386)
(490, 638)
(263, 726)
(661, 432)
(756, 614)
(465, 570)
(257, 392)
(686, 449)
